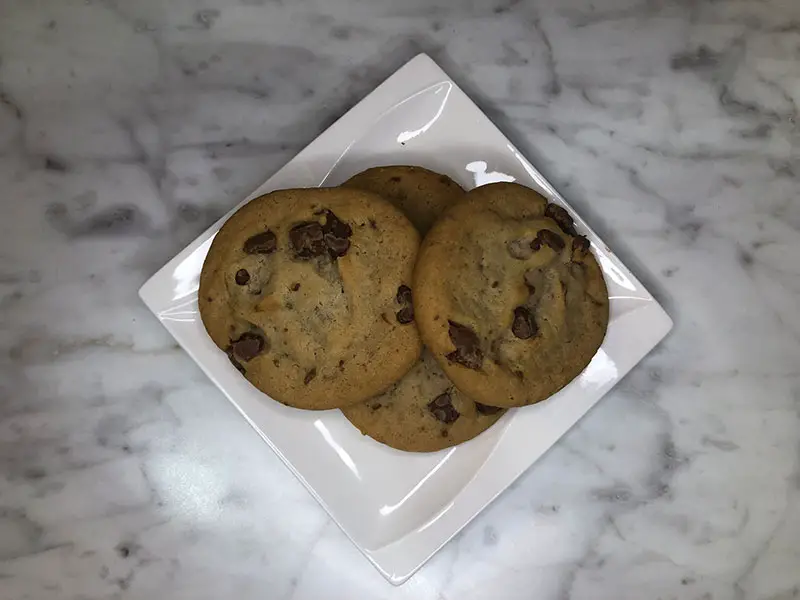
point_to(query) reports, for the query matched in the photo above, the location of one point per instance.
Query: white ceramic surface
(400, 508)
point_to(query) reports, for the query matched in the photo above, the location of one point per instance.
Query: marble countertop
(126, 128)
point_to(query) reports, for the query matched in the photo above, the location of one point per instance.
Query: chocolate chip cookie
(508, 296)
(421, 194)
(305, 292)
(423, 412)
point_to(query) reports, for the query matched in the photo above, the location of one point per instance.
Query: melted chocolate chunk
(235, 362)
(309, 376)
(336, 246)
(468, 347)
(561, 217)
(242, 277)
(545, 237)
(404, 295)
(248, 346)
(443, 409)
(307, 240)
(295, 287)
(336, 226)
(405, 315)
(487, 410)
(337, 234)
(580, 247)
(524, 326)
(261, 243)
(311, 239)
(333, 236)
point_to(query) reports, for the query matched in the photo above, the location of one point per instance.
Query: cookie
(421, 194)
(305, 292)
(423, 412)
(509, 297)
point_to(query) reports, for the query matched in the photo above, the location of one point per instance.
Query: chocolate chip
(468, 347)
(261, 243)
(394, 179)
(487, 410)
(545, 237)
(233, 360)
(524, 326)
(405, 315)
(242, 277)
(580, 246)
(336, 234)
(561, 217)
(309, 376)
(443, 409)
(373, 224)
(336, 246)
(404, 295)
(248, 346)
(334, 225)
(295, 287)
(307, 240)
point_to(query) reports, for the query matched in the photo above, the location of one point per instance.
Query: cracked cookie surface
(300, 289)
(508, 297)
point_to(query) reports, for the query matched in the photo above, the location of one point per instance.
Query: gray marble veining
(126, 128)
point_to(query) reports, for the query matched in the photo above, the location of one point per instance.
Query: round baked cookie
(423, 412)
(305, 291)
(508, 297)
(421, 194)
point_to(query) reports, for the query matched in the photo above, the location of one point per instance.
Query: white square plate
(400, 508)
